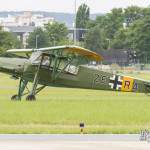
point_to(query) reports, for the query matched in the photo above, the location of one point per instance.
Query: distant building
(23, 25)
(22, 32)
(8, 21)
(40, 20)
(26, 19)
(80, 34)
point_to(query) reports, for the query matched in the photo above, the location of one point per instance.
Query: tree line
(8, 40)
(52, 34)
(127, 28)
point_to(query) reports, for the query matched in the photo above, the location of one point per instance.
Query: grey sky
(96, 6)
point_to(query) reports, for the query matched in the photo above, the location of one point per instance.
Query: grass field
(60, 110)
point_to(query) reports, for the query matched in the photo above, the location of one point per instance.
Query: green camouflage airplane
(65, 66)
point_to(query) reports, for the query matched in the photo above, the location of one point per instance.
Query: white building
(22, 32)
(8, 21)
(23, 25)
(40, 20)
(26, 19)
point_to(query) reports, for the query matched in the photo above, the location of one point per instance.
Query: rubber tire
(15, 98)
(31, 98)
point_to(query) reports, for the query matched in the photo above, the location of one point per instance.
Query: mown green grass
(60, 110)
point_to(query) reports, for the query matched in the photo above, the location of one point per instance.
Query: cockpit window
(68, 63)
(72, 69)
(36, 57)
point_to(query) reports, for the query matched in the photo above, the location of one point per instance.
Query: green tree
(95, 40)
(111, 22)
(83, 16)
(108, 31)
(139, 36)
(132, 13)
(146, 11)
(57, 33)
(109, 25)
(8, 41)
(119, 41)
(39, 36)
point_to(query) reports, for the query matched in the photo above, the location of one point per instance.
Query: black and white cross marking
(115, 82)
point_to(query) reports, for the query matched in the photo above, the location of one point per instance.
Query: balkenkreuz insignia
(115, 82)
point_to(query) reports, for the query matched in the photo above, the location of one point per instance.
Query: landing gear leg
(22, 86)
(31, 96)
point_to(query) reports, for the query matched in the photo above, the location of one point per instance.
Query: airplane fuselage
(86, 77)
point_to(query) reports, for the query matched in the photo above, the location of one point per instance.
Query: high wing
(20, 52)
(73, 49)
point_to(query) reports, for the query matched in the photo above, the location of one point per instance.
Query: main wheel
(30, 98)
(15, 98)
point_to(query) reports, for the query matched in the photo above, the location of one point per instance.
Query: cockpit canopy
(36, 57)
(64, 61)
(59, 57)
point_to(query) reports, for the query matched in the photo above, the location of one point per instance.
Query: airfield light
(36, 41)
(108, 43)
(75, 8)
(81, 127)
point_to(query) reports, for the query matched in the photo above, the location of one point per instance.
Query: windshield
(72, 69)
(68, 63)
(35, 57)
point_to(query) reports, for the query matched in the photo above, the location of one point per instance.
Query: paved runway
(72, 142)
(71, 137)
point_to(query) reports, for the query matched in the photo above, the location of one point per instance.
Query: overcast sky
(96, 6)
